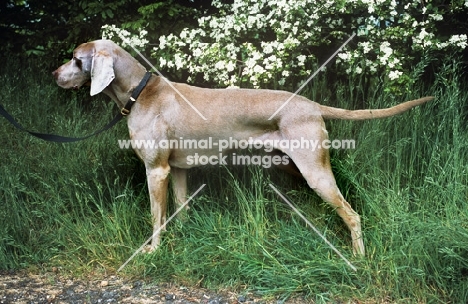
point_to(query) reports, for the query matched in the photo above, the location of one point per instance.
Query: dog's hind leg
(325, 186)
(316, 169)
(313, 161)
(179, 186)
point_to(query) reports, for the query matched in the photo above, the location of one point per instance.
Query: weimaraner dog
(165, 111)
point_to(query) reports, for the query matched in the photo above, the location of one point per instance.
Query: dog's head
(92, 62)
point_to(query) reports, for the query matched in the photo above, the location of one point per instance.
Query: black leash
(64, 139)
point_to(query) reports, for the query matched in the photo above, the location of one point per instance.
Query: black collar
(126, 109)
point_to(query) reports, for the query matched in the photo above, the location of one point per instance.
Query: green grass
(84, 206)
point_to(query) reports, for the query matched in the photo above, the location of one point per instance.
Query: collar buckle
(126, 109)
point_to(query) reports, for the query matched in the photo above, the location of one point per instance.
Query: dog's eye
(78, 62)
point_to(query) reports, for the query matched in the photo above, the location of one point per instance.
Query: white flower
(179, 62)
(197, 52)
(365, 47)
(385, 48)
(267, 47)
(345, 56)
(441, 45)
(250, 63)
(213, 23)
(423, 34)
(301, 59)
(251, 20)
(394, 74)
(436, 17)
(271, 62)
(256, 55)
(258, 69)
(459, 40)
(220, 65)
(230, 66)
(162, 42)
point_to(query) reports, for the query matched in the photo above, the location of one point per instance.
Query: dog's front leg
(157, 184)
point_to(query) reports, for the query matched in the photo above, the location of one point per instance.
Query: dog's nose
(55, 74)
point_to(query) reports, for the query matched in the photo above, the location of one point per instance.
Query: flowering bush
(125, 36)
(263, 43)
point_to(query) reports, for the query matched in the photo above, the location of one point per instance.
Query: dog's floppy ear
(102, 72)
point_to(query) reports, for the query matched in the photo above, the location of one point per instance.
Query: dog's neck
(128, 74)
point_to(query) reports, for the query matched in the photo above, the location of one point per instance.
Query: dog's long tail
(337, 113)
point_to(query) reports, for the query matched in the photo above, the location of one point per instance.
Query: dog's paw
(148, 249)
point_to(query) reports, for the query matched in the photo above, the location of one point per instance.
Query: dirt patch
(26, 288)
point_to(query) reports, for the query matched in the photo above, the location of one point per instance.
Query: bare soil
(29, 288)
